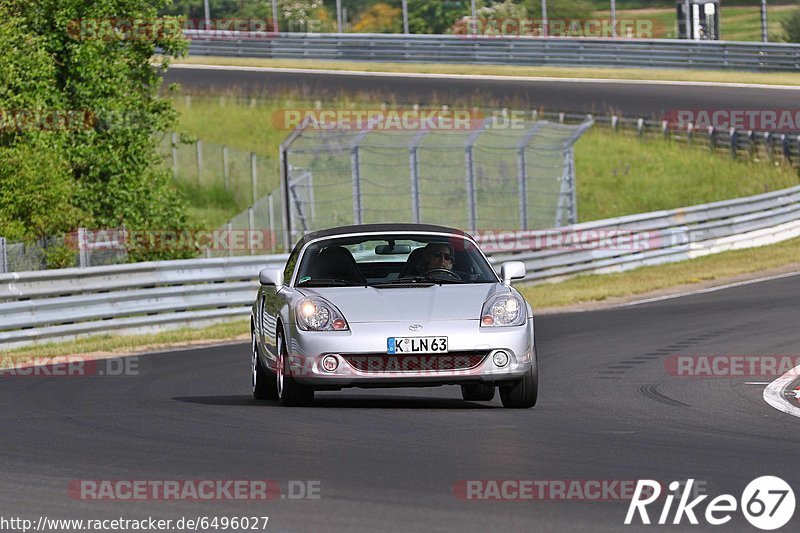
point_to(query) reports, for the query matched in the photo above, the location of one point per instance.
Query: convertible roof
(377, 228)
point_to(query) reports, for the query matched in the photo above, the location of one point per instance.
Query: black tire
(262, 381)
(290, 393)
(524, 393)
(482, 392)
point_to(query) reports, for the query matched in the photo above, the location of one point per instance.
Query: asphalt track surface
(387, 460)
(569, 96)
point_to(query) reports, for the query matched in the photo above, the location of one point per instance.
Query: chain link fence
(498, 174)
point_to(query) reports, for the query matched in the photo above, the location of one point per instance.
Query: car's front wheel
(482, 392)
(523, 393)
(289, 391)
(263, 383)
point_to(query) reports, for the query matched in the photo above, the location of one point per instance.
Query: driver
(437, 255)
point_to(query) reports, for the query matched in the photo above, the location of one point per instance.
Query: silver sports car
(392, 305)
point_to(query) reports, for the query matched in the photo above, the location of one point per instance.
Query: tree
(380, 18)
(436, 17)
(791, 26)
(85, 58)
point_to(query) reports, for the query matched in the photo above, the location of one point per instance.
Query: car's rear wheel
(482, 392)
(289, 391)
(524, 393)
(263, 383)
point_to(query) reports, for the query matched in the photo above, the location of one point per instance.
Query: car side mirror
(271, 276)
(512, 270)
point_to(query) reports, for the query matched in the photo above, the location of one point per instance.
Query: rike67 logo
(767, 503)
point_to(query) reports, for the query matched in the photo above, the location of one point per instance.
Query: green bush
(102, 167)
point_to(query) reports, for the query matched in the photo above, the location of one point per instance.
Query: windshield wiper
(421, 280)
(324, 282)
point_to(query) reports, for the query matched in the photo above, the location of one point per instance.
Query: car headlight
(316, 314)
(503, 310)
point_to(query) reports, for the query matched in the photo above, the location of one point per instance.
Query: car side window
(290, 264)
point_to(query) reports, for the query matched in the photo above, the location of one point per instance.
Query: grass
(597, 288)
(621, 175)
(617, 174)
(707, 76)
(738, 23)
(121, 344)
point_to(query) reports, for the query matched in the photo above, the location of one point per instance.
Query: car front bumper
(362, 360)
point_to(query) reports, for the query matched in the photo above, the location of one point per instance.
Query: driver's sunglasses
(442, 255)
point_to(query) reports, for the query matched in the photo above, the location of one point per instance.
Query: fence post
(665, 129)
(614, 123)
(768, 145)
(199, 146)
(229, 227)
(561, 117)
(83, 248)
(522, 185)
(3, 256)
(174, 155)
(640, 127)
(251, 223)
(734, 142)
(355, 170)
(712, 138)
(689, 134)
(254, 176)
(271, 210)
(413, 163)
(225, 167)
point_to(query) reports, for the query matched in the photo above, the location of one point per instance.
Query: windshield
(393, 261)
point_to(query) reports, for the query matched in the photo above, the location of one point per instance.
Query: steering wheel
(442, 271)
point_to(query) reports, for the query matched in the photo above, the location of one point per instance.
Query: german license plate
(401, 345)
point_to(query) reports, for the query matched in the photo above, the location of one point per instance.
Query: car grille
(415, 363)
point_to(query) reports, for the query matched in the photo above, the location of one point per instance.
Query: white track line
(774, 394)
(190, 66)
(710, 289)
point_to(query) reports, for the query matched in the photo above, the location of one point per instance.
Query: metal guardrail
(534, 51)
(53, 304)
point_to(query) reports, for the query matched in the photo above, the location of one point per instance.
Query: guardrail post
(199, 146)
(561, 117)
(3, 256)
(734, 142)
(254, 176)
(640, 127)
(174, 155)
(712, 138)
(665, 129)
(690, 135)
(768, 144)
(83, 248)
(786, 150)
(614, 123)
(225, 167)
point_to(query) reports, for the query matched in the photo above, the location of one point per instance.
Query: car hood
(425, 304)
